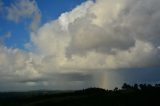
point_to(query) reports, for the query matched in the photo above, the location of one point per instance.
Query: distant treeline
(128, 95)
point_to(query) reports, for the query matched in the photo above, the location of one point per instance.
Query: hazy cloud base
(76, 49)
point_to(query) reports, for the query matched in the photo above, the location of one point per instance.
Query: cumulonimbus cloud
(100, 35)
(85, 40)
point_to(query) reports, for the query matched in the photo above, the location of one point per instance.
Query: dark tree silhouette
(116, 89)
(136, 87)
(126, 86)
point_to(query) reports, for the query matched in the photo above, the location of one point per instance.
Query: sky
(75, 44)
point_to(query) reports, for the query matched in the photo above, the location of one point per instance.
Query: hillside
(137, 95)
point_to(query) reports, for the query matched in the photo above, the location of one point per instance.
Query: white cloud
(81, 42)
(80, 11)
(106, 11)
(91, 46)
(100, 39)
(101, 35)
(16, 63)
(24, 9)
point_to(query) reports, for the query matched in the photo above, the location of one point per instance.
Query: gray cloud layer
(93, 38)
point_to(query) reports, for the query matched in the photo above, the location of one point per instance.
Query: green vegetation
(136, 95)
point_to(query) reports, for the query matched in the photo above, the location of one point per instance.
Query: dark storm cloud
(65, 76)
